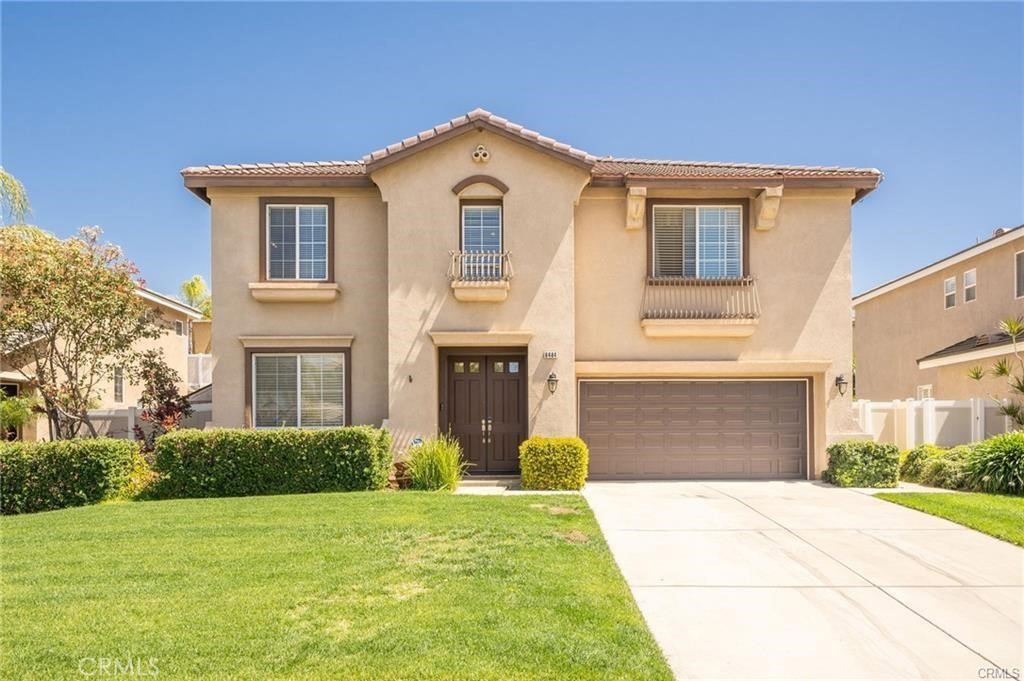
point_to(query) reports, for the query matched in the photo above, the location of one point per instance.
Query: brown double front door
(484, 406)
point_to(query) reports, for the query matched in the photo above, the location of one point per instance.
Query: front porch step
(490, 481)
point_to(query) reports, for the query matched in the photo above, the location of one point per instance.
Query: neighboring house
(686, 319)
(919, 335)
(119, 393)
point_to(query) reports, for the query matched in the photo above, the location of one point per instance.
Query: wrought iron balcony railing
(465, 267)
(704, 298)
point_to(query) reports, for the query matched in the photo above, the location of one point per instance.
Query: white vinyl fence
(121, 422)
(947, 423)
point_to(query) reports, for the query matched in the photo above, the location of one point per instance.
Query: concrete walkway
(798, 580)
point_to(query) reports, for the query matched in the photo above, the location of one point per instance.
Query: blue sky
(103, 104)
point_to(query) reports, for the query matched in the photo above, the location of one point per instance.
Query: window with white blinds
(481, 229)
(305, 390)
(297, 242)
(697, 241)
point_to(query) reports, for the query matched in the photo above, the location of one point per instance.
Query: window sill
(480, 291)
(698, 328)
(294, 291)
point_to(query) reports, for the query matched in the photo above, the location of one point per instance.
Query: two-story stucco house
(685, 319)
(919, 335)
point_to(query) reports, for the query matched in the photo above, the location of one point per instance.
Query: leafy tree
(14, 204)
(15, 412)
(197, 294)
(69, 316)
(163, 407)
(1010, 369)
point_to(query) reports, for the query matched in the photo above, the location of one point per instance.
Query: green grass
(326, 586)
(994, 514)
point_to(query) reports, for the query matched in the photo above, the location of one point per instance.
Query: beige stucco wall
(423, 226)
(360, 310)
(895, 329)
(175, 351)
(802, 267)
(202, 336)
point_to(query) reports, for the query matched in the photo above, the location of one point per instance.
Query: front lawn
(994, 514)
(324, 586)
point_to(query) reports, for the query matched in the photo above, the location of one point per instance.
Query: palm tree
(13, 199)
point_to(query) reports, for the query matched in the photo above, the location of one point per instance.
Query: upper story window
(697, 241)
(949, 291)
(1019, 260)
(179, 328)
(305, 390)
(297, 242)
(970, 285)
(482, 241)
(481, 228)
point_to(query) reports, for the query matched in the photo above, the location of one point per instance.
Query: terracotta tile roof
(601, 167)
(483, 116)
(985, 340)
(297, 169)
(616, 167)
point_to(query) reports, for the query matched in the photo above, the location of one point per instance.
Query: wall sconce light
(552, 382)
(841, 384)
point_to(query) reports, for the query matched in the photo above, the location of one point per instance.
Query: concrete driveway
(798, 580)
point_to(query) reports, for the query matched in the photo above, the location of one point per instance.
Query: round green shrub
(43, 476)
(996, 465)
(553, 462)
(947, 469)
(913, 463)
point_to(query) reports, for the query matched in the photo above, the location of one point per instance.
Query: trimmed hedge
(997, 464)
(862, 463)
(553, 462)
(43, 476)
(913, 463)
(232, 462)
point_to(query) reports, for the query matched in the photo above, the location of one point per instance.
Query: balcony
(480, 277)
(685, 307)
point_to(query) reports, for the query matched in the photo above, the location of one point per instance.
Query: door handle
(483, 430)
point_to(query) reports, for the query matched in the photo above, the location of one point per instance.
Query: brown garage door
(695, 429)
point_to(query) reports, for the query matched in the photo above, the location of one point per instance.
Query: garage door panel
(695, 429)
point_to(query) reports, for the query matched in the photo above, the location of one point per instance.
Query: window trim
(946, 294)
(1016, 275)
(265, 204)
(250, 383)
(179, 327)
(744, 205)
(973, 286)
(925, 386)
